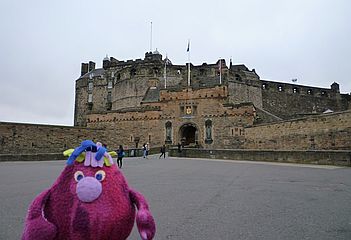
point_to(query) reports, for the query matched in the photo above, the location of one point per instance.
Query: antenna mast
(188, 50)
(151, 37)
(220, 71)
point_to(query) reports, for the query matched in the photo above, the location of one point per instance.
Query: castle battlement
(131, 84)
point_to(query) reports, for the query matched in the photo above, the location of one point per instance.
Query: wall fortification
(129, 84)
(151, 100)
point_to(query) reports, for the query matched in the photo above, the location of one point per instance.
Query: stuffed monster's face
(93, 185)
(89, 184)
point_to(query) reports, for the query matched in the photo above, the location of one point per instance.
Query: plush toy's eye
(78, 176)
(100, 175)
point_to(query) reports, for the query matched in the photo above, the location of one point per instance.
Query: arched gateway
(188, 134)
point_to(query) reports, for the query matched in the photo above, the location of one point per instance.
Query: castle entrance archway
(188, 134)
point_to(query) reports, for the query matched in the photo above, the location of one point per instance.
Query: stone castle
(221, 107)
(152, 100)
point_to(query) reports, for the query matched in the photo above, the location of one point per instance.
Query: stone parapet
(31, 157)
(340, 158)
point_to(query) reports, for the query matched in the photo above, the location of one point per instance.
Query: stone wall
(302, 137)
(130, 129)
(20, 138)
(129, 93)
(81, 103)
(289, 101)
(341, 158)
(326, 131)
(247, 91)
(130, 81)
(99, 94)
(148, 124)
(32, 157)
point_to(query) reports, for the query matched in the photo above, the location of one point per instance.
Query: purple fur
(59, 213)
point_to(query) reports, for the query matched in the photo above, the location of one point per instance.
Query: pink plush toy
(90, 203)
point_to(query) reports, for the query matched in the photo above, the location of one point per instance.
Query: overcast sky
(43, 44)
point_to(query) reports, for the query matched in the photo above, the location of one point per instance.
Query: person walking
(147, 146)
(120, 155)
(163, 151)
(144, 151)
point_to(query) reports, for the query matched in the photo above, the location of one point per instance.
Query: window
(178, 72)
(309, 92)
(90, 98)
(90, 86)
(280, 88)
(264, 86)
(295, 90)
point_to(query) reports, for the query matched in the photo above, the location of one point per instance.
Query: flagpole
(188, 62)
(165, 73)
(220, 71)
(151, 38)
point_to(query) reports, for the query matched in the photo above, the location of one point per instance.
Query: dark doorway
(188, 135)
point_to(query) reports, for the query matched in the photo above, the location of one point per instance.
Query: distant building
(149, 100)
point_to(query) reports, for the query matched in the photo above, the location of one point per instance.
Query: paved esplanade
(193, 199)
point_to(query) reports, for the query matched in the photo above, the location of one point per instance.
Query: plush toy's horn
(92, 154)
(84, 145)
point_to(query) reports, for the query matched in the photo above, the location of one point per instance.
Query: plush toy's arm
(37, 226)
(145, 221)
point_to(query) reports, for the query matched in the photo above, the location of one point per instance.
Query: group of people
(146, 147)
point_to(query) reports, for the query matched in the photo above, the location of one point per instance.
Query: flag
(188, 46)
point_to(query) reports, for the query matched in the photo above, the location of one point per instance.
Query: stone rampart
(341, 158)
(290, 100)
(21, 138)
(326, 131)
